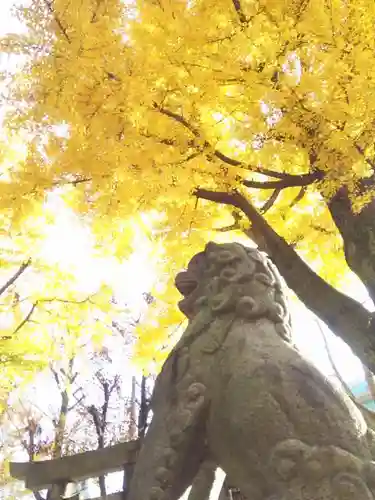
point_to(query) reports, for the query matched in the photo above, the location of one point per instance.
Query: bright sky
(7, 22)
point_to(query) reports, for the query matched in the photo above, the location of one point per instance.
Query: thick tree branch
(14, 278)
(342, 314)
(287, 181)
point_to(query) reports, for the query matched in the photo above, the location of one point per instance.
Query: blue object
(362, 393)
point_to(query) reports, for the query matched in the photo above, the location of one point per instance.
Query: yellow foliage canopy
(136, 104)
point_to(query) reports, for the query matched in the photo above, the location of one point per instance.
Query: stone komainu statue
(235, 392)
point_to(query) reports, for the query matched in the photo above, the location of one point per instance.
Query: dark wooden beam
(43, 474)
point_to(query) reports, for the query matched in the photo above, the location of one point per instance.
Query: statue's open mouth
(187, 281)
(185, 284)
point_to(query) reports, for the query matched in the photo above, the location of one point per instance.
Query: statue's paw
(287, 456)
(169, 458)
(187, 414)
(195, 393)
(182, 421)
(163, 475)
(328, 471)
(346, 486)
(351, 476)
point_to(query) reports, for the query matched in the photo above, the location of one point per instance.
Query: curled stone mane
(232, 393)
(243, 281)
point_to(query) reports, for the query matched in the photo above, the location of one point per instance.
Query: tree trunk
(358, 234)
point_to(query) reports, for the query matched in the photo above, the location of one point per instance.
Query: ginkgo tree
(42, 307)
(161, 113)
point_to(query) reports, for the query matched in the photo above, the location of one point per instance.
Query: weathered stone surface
(235, 392)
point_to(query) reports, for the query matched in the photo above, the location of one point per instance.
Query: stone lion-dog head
(231, 279)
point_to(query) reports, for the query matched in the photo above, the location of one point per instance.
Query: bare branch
(60, 426)
(241, 15)
(73, 182)
(236, 214)
(100, 423)
(66, 301)
(144, 409)
(76, 403)
(226, 229)
(10, 282)
(56, 376)
(25, 320)
(99, 417)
